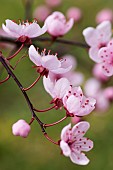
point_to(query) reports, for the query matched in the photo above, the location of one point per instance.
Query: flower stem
(21, 47)
(55, 123)
(7, 78)
(45, 110)
(47, 137)
(25, 89)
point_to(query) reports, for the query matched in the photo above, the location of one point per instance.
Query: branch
(46, 39)
(9, 71)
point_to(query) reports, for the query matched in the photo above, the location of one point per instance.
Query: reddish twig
(45, 110)
(7, 78)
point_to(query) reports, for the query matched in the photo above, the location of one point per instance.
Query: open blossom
(105, 56)
(104, 15)
(97, 38)
(73, 142)
(21, 128)
(24, 30)
(56, 89)
(57, 24)
(74, 13)
(76, 103)
(108, 92)
(46, 63)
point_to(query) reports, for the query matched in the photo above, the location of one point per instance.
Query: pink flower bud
(41, 13)
(53, 3)
(98, 73)
(103, 15)
(57, 24)
(74, 13)
(21, 128)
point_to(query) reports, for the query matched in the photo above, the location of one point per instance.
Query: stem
(7, 78)
(45, 110)
(9, 71)
(16, 52)
(62, 41)
(55, 123)
(44, 39)
(25, 89)
(47, 137)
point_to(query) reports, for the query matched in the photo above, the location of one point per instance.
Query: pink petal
(107, 69)
(34, 56)
(69, 25)
(12, 28)
(49, 86)
(72, 104)
(50, 62)
(86, 107)
(65, 148)
(80, 129)
(83, 144)
(93, 54)
(90, 35)
(105, 31)
(62, 70)
(79, 158)
(65, 132)
(61, 86)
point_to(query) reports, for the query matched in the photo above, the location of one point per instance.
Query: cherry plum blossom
(76, 103)
(23, 31)
(57, 24)
(21, 128)
(46, 63)
(97, 38)
(73, 143)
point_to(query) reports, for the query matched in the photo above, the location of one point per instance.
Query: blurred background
(36, 152)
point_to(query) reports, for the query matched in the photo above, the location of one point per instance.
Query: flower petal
(64, 132)
(34, 56)
(65, 148)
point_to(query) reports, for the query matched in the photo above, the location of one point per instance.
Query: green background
(35, 152)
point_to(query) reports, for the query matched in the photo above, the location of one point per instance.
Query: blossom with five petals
(97, 38)
(73, 143)
(76, 103)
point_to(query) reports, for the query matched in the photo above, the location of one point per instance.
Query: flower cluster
(60, 79)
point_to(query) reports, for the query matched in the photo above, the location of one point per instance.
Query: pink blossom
(24, 30)
(46, 63)
(76, 103)
(74, 13)
(57, 25)
(56, 89)
(108, 92)
(103, 15)
(97, 38)
(21, 128)
(92, 88)
(73, 142)
(98, 73)
(53, 3)
(41, 13)
(105, 56)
